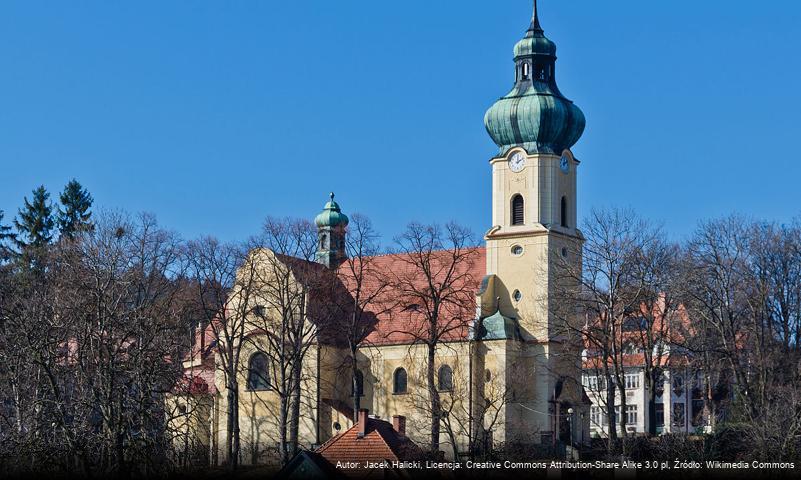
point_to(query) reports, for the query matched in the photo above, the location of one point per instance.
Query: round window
(517, 295)
(517, 250)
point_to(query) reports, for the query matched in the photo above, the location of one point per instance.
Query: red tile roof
(399, 317)
(380, 442)
(394, 317)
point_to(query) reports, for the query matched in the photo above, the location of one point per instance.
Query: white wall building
(679, 407)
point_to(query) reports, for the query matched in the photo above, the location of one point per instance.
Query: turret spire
(535, 19)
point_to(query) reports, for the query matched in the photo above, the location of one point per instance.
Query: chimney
(399, 424)
(363, 415)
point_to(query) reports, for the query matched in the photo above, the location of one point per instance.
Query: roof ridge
(390, 254)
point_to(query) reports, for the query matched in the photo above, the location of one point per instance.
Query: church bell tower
(533, 182)
(534, 232)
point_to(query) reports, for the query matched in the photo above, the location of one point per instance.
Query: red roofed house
(679, 400)
(372, 448)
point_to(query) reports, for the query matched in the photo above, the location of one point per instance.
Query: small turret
(331, 225)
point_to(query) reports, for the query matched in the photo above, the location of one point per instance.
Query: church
(506, 374)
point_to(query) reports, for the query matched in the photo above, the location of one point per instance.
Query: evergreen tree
(75, 215)
(5, 237)
(35, 221)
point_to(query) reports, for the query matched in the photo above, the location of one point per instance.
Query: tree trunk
(294, 419)
(622, 419)
(282, 426)
(651, 427)
(610, 412)
(232, 437)
(435, 402)
(354, 367)
(236, 443)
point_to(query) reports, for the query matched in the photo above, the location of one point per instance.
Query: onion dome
(535, 115)
(331, 216)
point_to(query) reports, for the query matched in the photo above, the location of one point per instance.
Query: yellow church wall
(260, 410)
(189, 426)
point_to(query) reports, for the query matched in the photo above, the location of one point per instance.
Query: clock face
(564, 164)
(517, 162)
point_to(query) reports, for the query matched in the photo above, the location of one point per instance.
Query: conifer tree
(74, 214)
(35, 221)
(5, 237)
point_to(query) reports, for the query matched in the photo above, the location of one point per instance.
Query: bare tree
(623, 289)
(358, 296)
(224, 282)
(743, 298)
(435, 280)
(103, 363)
(288, 317)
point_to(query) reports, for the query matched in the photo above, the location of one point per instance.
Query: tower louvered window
(517, 210)
(564, 211)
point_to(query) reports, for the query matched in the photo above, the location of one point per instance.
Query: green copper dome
(535, 115)
(498, 327)
(331, 216)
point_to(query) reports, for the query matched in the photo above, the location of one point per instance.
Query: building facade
(679, 404)
(506, 372)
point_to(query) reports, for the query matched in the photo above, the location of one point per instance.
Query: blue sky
(213, 115)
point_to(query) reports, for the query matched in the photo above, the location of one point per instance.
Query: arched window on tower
(323, 239)
(525, 71)
(518, 210)
(564, 211)
(258, 374)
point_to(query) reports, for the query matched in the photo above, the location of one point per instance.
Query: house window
(678, 384)
(595, 416)
(258, 374)
(564, 211)
(445, 378)
(678, 415)
(632, 381)
(359, 384)
(517, 210)
(399, 380)
(631, 414)
(660, 414)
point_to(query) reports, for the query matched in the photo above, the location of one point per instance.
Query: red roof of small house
(380, 442)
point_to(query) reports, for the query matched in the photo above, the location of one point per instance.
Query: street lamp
(570, 424)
